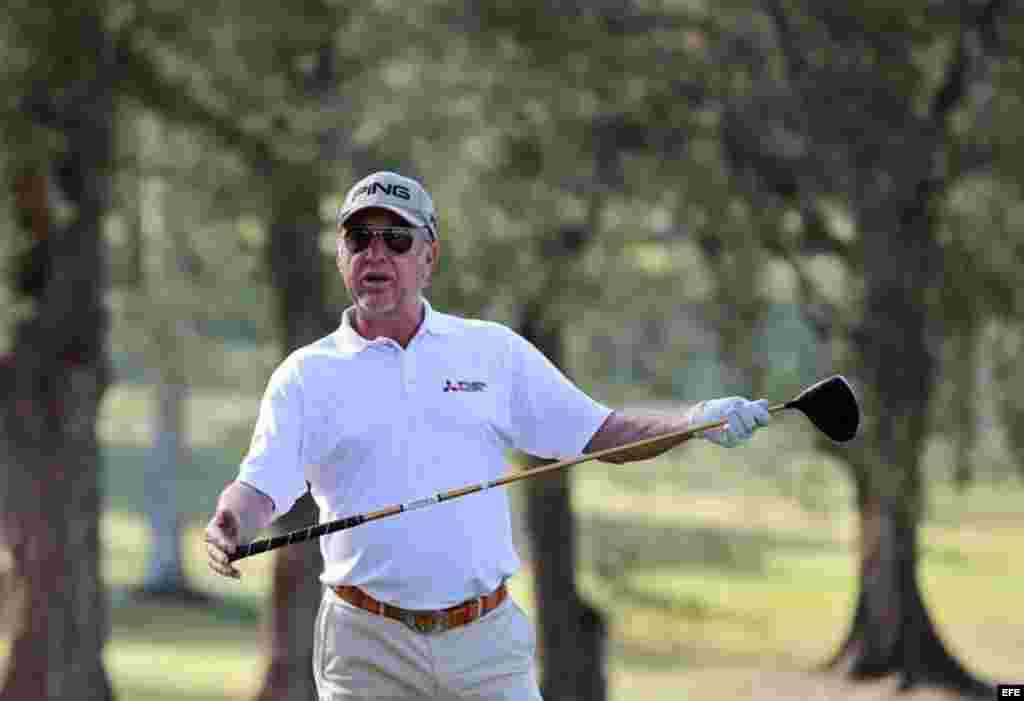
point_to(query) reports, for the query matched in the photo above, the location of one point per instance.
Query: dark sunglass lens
(398, 242)
(357, 239)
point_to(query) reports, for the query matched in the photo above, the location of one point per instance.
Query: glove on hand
(744, 417)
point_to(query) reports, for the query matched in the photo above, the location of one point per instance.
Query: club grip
(264, 544)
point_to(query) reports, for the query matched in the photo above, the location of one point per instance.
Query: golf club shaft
(322, 529)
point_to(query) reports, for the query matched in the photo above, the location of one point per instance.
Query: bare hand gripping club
(830, 405)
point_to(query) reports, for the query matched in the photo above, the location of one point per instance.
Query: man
(399, 403)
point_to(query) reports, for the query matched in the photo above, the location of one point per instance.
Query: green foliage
(716, 182)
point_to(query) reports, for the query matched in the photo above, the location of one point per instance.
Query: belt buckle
(425, 623)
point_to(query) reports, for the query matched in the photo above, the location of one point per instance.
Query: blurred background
(674, 200)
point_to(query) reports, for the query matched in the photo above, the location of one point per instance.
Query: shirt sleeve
(274, 463)
(550, 417)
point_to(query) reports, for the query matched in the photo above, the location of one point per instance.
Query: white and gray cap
(393, 192)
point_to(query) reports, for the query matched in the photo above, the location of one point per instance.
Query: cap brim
(405, 214)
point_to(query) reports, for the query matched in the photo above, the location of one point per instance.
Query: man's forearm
(621, 428)
(253, 508)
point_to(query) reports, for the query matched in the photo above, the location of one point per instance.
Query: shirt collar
(348, 339)
(435, 322)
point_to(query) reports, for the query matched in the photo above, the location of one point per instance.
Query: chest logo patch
(464, 386)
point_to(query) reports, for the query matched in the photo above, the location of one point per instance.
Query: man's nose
(377, 248)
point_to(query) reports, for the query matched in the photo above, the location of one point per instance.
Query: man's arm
(743, 416)
(627, 427)
(242, 510)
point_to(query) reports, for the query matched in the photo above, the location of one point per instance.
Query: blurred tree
(56, 372)
(845, 130)
(300, 195)
(736, 262)
(876, 113)
(573, 632)
(294, 260)
(289, 154)
(279, 69)
(223, 71)
(297, 272)
(163, 303)
(980, 230)
(1009, 383)
(545, 105)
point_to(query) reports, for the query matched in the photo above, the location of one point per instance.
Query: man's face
(384, 284)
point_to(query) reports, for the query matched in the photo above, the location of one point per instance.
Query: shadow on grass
(680, 656)
(159, 691)
(618, 544)
(219, 617)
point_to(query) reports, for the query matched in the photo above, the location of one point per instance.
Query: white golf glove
(744, 417)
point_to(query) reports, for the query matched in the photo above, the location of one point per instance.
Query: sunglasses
(398, 239)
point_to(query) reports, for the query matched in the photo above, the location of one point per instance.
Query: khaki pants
(360, 655)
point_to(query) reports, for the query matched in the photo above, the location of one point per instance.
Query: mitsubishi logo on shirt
(463, 386)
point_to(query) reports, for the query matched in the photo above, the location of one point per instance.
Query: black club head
(831, 406)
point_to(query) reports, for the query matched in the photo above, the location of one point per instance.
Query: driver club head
(831, 406)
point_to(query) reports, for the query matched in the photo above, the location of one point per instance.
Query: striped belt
(425, 621)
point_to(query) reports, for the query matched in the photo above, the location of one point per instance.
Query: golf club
(830, 405)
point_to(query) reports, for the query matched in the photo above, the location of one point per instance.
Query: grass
(718, 577)
(753, 580)
(163, 651)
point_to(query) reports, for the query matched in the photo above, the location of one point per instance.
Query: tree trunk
(572, 633)
(741, 309)
(892, 632)
(294, 598)
(165, 575)
(295, 269)
(161, 286)
(57, 374)
(892, 164)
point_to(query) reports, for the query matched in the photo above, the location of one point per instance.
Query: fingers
(744, 418)
(218, 550)
(218, 561)
(760, 411)
(726, 437)
(741, 422)
(714, 411)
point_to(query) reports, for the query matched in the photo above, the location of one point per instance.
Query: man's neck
(400, 328)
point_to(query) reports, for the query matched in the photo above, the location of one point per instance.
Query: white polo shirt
(369, 424)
